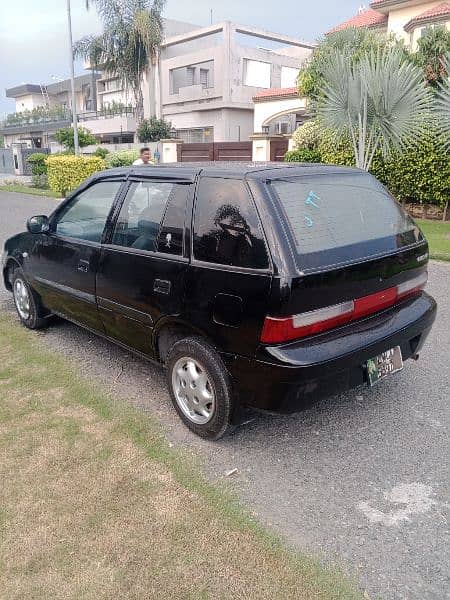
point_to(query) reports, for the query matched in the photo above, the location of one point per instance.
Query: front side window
(139, 222)
(85, 216)
(226, 225)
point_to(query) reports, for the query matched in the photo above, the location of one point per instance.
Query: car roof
(254, 170)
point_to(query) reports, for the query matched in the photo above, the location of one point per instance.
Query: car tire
(200, 388)
(28, 306)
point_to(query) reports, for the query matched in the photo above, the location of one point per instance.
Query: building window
(256, 73)
(196, 135)
(190, 76)
(112, 85)
(204, 78)
(199, 74)
(288, 77)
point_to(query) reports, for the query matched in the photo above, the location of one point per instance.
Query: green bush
(65, 173)
(308, 135)
(101, 152)
(38, 164)
(153, 130)
(39, 169)
(65, 137)
(123, 158)
(336, 151)
(40, 181)
(418, 174)
(303, 155)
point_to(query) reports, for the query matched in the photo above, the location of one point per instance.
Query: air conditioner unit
(283, 128)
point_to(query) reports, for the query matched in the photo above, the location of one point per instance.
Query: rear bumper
(292, 376)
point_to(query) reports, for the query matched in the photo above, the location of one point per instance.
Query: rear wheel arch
(171, 331)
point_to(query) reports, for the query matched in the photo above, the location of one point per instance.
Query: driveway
(361, 479)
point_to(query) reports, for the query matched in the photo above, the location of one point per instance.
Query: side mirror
(38, 224)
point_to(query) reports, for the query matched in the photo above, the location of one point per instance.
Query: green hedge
(38, 164)
(303, 155)
(418, 174)
(123, 158)
(65, 173)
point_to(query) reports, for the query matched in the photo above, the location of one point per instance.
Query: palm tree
(379, 102)
(131, 38)
(443, 103)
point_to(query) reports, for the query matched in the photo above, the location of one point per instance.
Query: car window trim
(149, 253)
(74, 240)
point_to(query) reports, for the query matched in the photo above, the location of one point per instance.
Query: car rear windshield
(338, 217)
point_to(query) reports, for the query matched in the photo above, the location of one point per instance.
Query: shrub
(38, 164)
(65, 173)
(153, 130)
(101, 152)
(303, 155)
(65, 137)
(123, 158)
(336, 151)
(40, 181)
(418, 174)
(307, 135)
(39, 169)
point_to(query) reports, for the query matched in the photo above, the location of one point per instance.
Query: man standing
(144, 158)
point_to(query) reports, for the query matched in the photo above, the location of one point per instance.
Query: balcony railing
(53, 114)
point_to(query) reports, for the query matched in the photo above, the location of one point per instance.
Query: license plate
(383, 365)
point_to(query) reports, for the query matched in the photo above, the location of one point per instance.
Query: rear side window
(339, 217)
(149, 208)
(170, 239)
(226, 225)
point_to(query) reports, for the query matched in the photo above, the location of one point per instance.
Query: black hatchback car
(260, 285)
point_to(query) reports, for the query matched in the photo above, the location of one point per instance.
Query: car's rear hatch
(355, 251)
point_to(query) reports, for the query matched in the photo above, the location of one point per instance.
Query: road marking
(416, 498)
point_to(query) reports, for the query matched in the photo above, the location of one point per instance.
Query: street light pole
(72, 82)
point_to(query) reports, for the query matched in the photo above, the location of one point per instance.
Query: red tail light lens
(276, 330)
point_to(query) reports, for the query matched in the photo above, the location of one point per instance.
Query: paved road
(361, 479)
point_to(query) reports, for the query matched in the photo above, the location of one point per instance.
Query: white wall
(110, 125)
(398, 17)
(266, 111)
(29, 102)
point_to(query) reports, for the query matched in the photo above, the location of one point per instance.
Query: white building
(203, 83)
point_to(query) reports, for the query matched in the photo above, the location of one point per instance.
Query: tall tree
(433, 45)
(131, 39)
(355, 42)
(380, 102)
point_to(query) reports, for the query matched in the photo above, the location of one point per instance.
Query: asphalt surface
(361, 479)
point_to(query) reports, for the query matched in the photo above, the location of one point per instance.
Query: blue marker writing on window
(310, 199)
(309, 222)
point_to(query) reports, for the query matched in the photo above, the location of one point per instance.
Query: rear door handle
(162, 286)
(83, 266)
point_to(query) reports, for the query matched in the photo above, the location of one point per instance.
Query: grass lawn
(26, 189)
(95, 504)
(438, 236)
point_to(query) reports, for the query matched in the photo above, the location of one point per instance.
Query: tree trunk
(444, 214)
(138, 109)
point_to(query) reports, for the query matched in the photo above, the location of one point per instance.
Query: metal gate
(278, 149)
(221, 151)
(6, 161)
